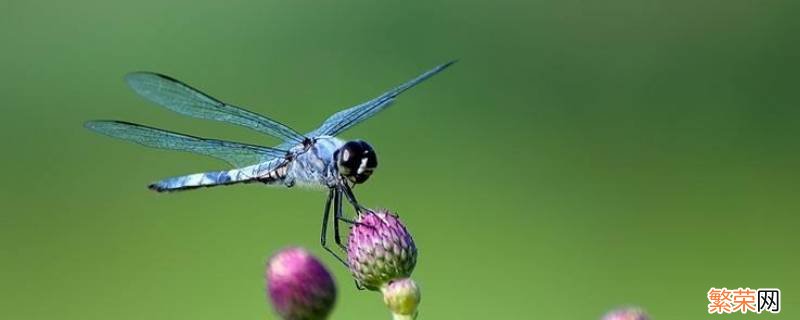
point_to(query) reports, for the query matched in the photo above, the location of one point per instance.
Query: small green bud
(402, 296)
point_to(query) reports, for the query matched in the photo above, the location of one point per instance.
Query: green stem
(396, 316)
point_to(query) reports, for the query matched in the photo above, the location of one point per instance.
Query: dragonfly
(317, 159)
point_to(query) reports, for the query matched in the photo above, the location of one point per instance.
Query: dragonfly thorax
(356, 160)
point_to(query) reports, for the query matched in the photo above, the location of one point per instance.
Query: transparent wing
(181, 98)
(343, 120)
(237, 154)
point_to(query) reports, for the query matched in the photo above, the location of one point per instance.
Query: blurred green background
(582, 154)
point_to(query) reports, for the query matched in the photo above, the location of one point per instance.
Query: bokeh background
(581, 155)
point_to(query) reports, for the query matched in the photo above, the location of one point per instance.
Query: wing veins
(345, 119)
(235, 153)
(182, 98)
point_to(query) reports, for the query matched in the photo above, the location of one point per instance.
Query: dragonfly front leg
(332, 193)
(340, 212)
(348, 192)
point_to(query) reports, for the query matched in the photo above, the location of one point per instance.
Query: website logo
(744, 300)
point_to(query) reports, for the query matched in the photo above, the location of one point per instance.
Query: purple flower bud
(380, 249)
(402, 297)
(299, 286)
(629, 313)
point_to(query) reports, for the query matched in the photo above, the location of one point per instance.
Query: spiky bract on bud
(299, 286)
(402, 296)
(628, 313)
(380, 249)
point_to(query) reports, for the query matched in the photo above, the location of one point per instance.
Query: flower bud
(380, 249)
(630, 313)
(299, 286)
(402, 297)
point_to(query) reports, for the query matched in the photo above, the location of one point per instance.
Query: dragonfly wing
(237, 154)
(181, 98)
(342, 120)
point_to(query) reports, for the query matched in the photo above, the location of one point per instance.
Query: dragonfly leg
(338, 215)
(359, 286)
(352, 199)
(324, 236)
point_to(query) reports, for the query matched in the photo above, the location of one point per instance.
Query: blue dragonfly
(317, 159)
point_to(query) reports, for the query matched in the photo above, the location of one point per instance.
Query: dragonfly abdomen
(271, 172)
(275, 176)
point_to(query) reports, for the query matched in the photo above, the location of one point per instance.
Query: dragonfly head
(356, 160)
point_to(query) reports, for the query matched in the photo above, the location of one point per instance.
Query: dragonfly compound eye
(356, 160)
